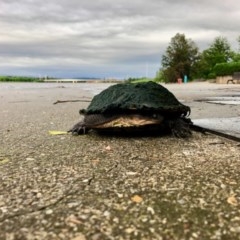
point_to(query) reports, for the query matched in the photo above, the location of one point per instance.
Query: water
(92, 88)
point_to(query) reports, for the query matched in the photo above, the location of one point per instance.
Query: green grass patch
(139, 80)
(19, 79)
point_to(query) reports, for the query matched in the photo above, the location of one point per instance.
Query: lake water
(92, 88)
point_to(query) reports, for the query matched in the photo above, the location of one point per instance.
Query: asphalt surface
(110, 187)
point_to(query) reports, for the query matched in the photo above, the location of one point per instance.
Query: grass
(139, 80)
(19, 79)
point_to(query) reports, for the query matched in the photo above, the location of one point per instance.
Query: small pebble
(49, 211)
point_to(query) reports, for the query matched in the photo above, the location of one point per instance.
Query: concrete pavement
(95, 187)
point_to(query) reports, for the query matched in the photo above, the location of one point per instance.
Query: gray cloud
(105, 38)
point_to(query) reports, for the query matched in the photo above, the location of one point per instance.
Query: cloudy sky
(105, 38)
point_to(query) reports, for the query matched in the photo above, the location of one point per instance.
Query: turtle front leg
(79, 129)
(180, 127)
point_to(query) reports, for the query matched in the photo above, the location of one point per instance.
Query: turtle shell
(148, 97)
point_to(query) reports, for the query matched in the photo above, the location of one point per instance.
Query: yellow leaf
(3, 161)
(57, 132)
(136, 199)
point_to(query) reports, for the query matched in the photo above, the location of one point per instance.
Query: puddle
(228, 100)
(229, 126)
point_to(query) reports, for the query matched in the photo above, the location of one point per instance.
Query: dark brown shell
(148, 97)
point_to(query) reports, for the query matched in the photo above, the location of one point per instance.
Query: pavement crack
(66, 101)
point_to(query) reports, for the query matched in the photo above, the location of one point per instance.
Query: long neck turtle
(135, 106)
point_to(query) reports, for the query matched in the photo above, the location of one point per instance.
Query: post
(185, 78)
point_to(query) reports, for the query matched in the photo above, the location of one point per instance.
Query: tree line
(182, 58)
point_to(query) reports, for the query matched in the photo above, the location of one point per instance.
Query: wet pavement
(228, 125)
(226, 100)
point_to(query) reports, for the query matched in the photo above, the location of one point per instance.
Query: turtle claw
(78, 129)
(183, 133)
(180, 128)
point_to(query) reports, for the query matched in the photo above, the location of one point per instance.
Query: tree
(238, 40)
(236, 55)
(218, 52)
(179, 58)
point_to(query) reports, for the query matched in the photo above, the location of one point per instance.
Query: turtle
(146, 106)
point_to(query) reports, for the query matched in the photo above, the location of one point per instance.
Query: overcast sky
(105, 38)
